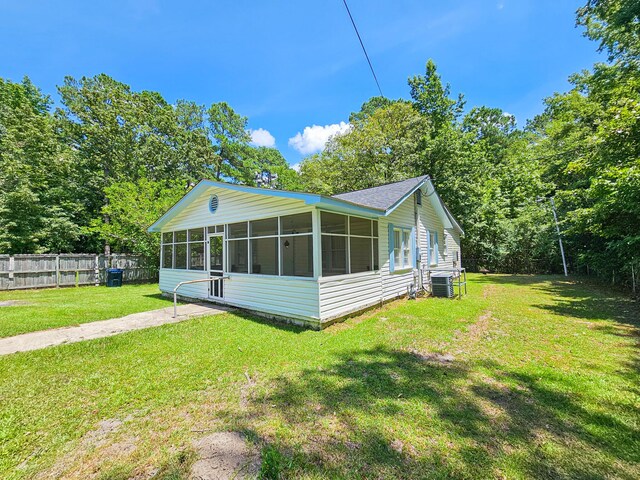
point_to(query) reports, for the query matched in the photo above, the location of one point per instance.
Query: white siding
(345, 294)
(453, 244)
(430, 221)
(287, 297)
(233, 207)
(169, 278)
(396, 283)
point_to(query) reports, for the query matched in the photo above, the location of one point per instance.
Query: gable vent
(213, 203)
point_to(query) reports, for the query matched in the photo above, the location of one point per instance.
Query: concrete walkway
(104, 328)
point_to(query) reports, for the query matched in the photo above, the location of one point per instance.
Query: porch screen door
(216, 266)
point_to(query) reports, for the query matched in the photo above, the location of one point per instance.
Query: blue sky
(295, 65)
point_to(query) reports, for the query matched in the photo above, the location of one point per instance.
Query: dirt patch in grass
(488, 290)
(245, 390)
(100, 435)
(478, 329)
(224, 455)
(439, 358)
(104, 442)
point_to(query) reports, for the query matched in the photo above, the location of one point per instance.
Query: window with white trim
(397, 247)
(167, 250)
(402, 256)
(238, 247)
(349, 244)
(183, 249)
(406, 248)
(196, 249)
(276, 246)
(433, 247)
(296, 245)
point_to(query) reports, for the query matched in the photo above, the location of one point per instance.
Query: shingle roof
(383, 197)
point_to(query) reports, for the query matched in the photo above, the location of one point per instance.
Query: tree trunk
(107, 246)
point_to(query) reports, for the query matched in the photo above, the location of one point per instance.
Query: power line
(362, 45)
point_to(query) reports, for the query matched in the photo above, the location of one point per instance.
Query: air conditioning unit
(442, 284)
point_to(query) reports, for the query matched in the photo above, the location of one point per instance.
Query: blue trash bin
(114, 277)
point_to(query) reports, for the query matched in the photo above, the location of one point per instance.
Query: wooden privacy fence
(67, 270)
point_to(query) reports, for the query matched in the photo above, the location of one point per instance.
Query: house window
(361, 254)
(433, 247)
(264, 228)
(406, 248)
(296, 245)
(349, 244)
(166, 252)
(180, 256)
(275, 246)
(297, 255)
(264, 256)
(402, 243)
(237, 230)
(264, 246)
(196, 249)
(167, 256)
(334, 255)
(180, 250)
(183, 249)
(238, 247)
(397, 247)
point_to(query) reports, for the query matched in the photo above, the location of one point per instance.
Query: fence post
(12, 267)
(58, 271)
(96, 271)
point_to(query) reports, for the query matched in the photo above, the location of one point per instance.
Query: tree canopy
(98, 169)
(583, 150)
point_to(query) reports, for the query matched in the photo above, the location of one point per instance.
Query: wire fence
(627, 278)
(19, 272)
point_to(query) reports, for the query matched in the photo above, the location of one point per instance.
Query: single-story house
(302, 257)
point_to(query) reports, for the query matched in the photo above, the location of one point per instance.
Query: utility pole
(555, 219)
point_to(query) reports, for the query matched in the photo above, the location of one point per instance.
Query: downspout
(380, 265)
(417, 276)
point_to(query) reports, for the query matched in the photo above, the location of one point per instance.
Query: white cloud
(262, 138)
(296, 167)
(313, 139)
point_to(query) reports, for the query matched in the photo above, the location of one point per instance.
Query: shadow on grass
(384, 413)
(159, 296)
(267, 322)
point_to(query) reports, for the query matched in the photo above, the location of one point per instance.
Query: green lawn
(527, 377)
(61, 307)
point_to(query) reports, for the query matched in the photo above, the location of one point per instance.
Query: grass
(62, 307)
(527, 377)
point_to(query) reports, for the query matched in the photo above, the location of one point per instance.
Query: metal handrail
(175, 290)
